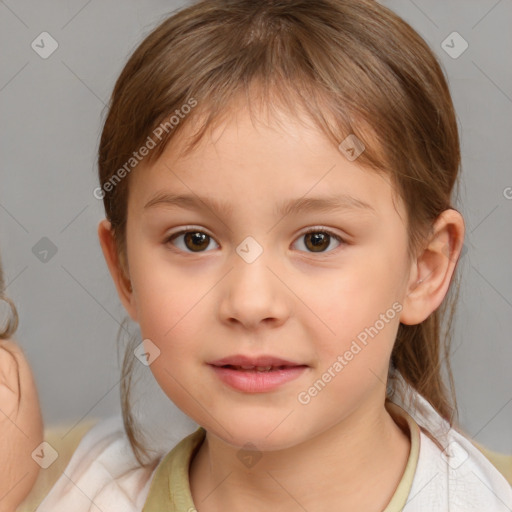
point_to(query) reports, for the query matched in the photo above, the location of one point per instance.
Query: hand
(21, 427)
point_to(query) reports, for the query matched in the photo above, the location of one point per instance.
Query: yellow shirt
(170, 487)
(448, 472)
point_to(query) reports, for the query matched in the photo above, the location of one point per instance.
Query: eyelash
(318, 229)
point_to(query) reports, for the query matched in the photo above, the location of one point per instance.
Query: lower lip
(251, 381)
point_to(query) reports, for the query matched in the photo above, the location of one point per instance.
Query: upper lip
(241, 360)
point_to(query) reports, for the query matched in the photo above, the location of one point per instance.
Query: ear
(119, 274)
(432, 270)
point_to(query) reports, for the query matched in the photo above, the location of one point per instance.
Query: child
(277, 178)
(21, 427)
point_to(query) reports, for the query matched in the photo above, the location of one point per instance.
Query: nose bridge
(252, 293)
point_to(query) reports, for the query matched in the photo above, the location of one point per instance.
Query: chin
(265, 436)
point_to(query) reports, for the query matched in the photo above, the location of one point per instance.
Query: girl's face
(247, 280)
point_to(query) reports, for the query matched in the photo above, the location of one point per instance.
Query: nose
(254, 295)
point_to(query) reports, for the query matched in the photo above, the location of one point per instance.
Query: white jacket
(104, 476)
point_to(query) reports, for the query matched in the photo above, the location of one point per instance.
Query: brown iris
(317, 241)
(196, 241)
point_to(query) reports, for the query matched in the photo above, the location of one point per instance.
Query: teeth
(257, 368)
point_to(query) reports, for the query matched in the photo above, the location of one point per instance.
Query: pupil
(319, 241)
(198, 241)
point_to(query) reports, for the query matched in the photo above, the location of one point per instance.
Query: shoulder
(102, 474)
(451, 473)
(457, 477)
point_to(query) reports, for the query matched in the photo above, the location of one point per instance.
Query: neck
(332, 470)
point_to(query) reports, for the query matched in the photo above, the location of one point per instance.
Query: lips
(250, 368)
(260, 364)
(262, 374)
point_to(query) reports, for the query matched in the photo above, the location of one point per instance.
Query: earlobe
(117, 272)
(432, 271)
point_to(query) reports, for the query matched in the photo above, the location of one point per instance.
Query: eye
(190, 240)
(318, 239)
(194, 240)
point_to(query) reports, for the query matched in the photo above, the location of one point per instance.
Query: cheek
(171, 308)
(360, 313)
(358, 296)
(163, 296)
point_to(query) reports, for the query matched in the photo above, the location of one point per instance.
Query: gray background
(51, 112)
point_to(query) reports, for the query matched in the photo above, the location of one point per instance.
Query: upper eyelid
(314, 229)
(188, 229)
(321, 229)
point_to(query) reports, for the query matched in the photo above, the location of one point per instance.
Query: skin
(21, 426)
(291, 302)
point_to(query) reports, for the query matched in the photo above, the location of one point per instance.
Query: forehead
(282, 161)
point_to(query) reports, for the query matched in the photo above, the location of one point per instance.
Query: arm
(21, 428)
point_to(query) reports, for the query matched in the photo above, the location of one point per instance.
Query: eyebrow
(303, 204)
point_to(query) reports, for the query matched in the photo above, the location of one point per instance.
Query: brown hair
(7, 330)
(350, 66)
